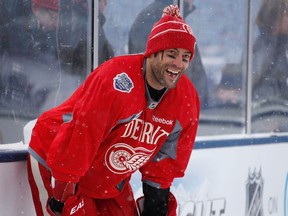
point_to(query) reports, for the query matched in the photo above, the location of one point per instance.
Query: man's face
(102, 5)
(48, 19)
(189, 3)
(283, 25)
(165, 68)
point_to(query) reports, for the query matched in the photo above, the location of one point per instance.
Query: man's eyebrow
(177, 49)
(180, 48)
(173, 49)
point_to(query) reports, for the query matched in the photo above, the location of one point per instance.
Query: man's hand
(54, 207)
(62, 190)
(171, 211)
(155, 201)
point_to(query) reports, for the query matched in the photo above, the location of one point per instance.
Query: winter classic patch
(123, 83)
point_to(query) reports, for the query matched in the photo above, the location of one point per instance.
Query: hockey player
(134, 112)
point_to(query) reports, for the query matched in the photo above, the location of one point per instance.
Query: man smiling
(134, 112)
(165, 68)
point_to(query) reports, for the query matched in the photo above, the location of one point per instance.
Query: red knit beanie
(170, 32)
(49, 4)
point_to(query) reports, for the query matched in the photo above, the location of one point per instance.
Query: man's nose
(178, 61)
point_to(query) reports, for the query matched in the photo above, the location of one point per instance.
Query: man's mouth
(172, 73)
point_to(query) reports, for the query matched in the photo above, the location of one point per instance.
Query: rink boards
(238, 175)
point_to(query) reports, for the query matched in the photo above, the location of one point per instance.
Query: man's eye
(171, 56)
(186, 58)
(171, 52)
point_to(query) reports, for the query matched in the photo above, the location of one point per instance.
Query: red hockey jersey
(110, 127)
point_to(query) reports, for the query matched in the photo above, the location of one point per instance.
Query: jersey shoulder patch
(123, 83)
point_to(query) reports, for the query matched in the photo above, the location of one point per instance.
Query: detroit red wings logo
(122, 158)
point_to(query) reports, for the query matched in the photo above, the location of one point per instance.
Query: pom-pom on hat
(170, 32)
(49, 4)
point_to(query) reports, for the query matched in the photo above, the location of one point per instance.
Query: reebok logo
(162, 120)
